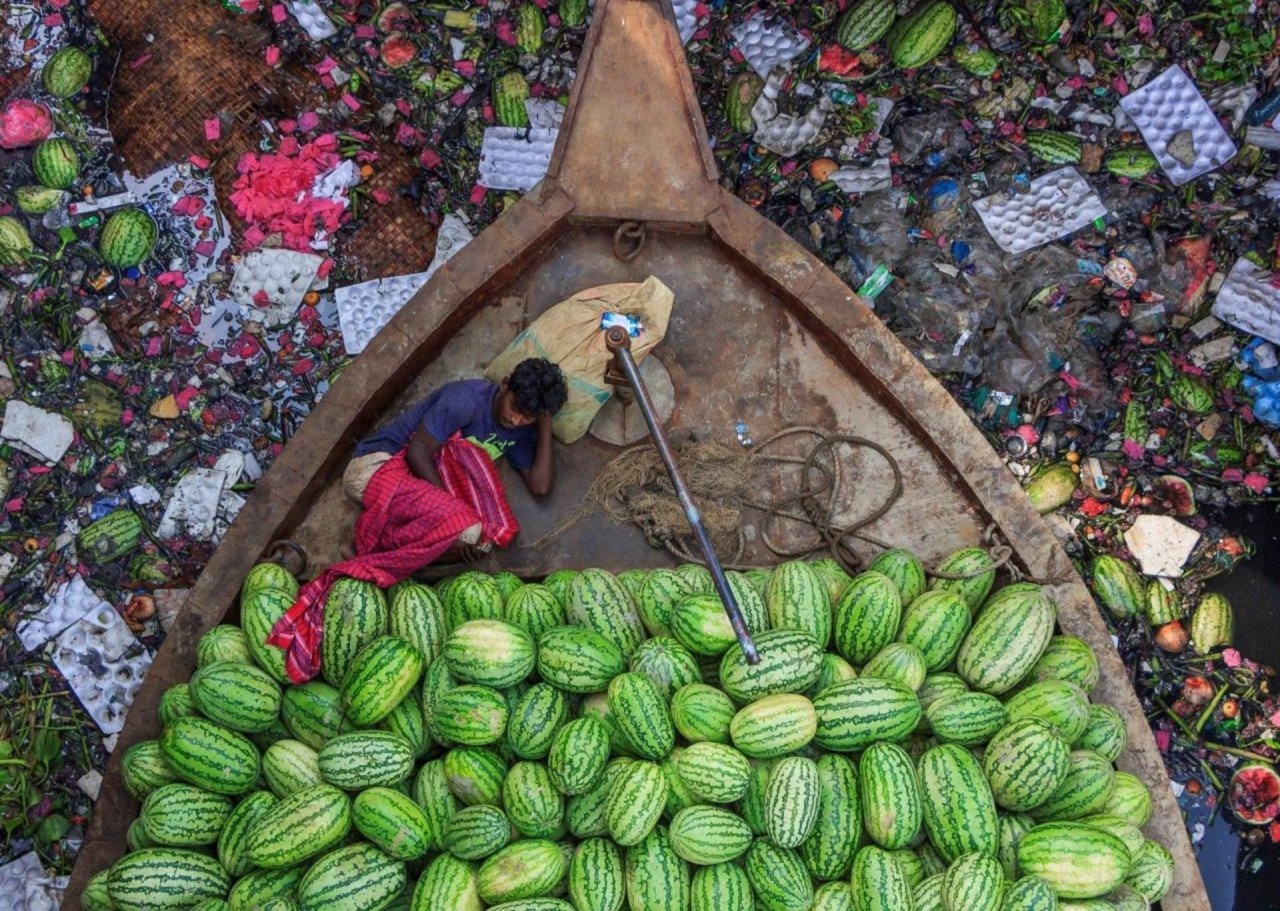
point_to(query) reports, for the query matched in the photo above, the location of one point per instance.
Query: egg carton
(284, 276)
(104, 664)
(864, 180)
(515, 158)
(544, 113)
(193, 508)
(1056, 204)
(70, 602)
(312, 17)
(1179, 126)
(786, 134)
(24, 886)
(1248, 300)
(44, 434)
(766, 43)
(686, 18)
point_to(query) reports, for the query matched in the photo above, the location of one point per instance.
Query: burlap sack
(569, 334)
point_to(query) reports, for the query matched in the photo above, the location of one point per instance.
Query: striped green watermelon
(974, 564)
(182, 816)
(303, 825)
(233, 840)
(1056, 148)
(1104, 733)
(558, 584)
(833, 576)
(936, 623)
(679, 796)
(267, 576)
(534, 806)
(472, 596)
(912, 866)
(797, 599)
(1212, 623)
(209, 756)
(431, 791)
(832, 670)
(750, 601)
(258, 614)
(867, 617)
(635, 802)
(899, 662)
(714, 772)
(879, 882)
(1128, 833)
(510, 91)
(1151, 871)
(96, 895)
(641, 715)
(535, 720)
(923, 34)
(740, 98)
(176, 703)
(66, 72)
(657, 599)
(472, 715)
(632, 580)
(217, 904)
(927, 894)
(1030, 893)
(159, 879)
(473, 833)
(700, 624)
(751, 806)
(437, 681)
(354, 878)
(931, 862)
(127, 238)
(973, 882)
(864, 23)
(939, 686)
(857, 713)
(889, 795)
(905, 569)
(1070, 659)
(407, 721)
(598, 601)
(578, 660)
(526, 869)
(313, 713)
(355, 614)
(56, 163)
(656, 876)
(366, 758)
(236, 696)
(1077, 861)
(136, 837)
(489, 652)
(829, 849)
(15, 242)
(791, 801)
(393, 822)
(1117, 585)
(290, 766)
(725, 887)
(597, 878)
(448, 884)
(1012, 827)
(144, 768)
(1064, 705)
(534, 609)
(709, 835)
(578, 755)
(959, 809)
(702, 713)
(968, 719)
(1134, 163)
(1011, 632)
(778, 877)
(790, 661)
(416, 614)
(1083, 791)
(698, 578)
(667, 664)
(223, 642)
(584, 813)
(1161, 605)
(475, 775)
(1025, 762)
(261, 887)
(775, 725)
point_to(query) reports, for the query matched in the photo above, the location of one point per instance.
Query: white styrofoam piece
(1161, 544)
(1248, 300)
(514, 158)
(44, 434)
(70, 602)
(95, 340)
(104, 664)
(90, 783)
(1056, 204)
(283, 275)
(193, 508)
(231, 464)
(144, 494)
(544, 113)
(24, 886)
(313, 19)
(1179, 126)
(786, 134)
(1271, 190)
(864, 180)
(766, 43)
(686, 18)
(7, 563)
(1220, 349)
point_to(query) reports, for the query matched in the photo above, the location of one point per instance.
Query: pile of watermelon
(594, 741)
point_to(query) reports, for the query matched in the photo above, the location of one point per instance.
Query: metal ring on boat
(276, 555)
(630, 233)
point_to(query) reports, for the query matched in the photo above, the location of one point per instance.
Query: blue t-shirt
(465, 406)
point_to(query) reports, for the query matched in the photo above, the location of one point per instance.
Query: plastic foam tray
(1179, 126)
(1056, 204)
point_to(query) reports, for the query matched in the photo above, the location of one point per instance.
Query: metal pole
(619, 342)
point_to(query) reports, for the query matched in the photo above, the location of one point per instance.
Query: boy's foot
(347, 551)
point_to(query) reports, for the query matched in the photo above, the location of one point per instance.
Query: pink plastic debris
(212, 129)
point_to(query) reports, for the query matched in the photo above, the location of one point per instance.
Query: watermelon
(223, 642)
(236, 695)
(937, 687)
(1030, 893)
(534, 806)
(714, 772)
(778, 877)
(359, 876)
(791, 801)
(233, 840)
(96, 895)
(531, 22)
(158, 879)
(1190, 393)
(1161, 605)
(598, 601)
(66, 72)
(448, 884)
(641, 715)
(829, 849)
(657, 599)
(258, 614)
(635, 802)
(407, 721)
(1077, 861)
(973, 882)
(898, 662)
(867, 617)
(1133, 163)
(534, 609)
(1024, 763)
(889, 795)
(473, 833)
(111, 537)
(472, 715)
(144, 768)
(472, 596)
(936, 623)
(597, 879)
(927, 894)
(182, 816)
(959, 809)
(790, 661)
(365, 758)
(679, 796)
(535, 720)
(266, 576)
(431, 791)
(831, 671)
(968, 719)
(700, 624)
(975, 59)
(1070, 659)
(579, 752)
(15, 242)
(701, 713)
(740, 98)
(1056, 148)
(857, 713)
(709, 835)
(558, 584)
(797, 599)
(584, 813)
(775, 725)
(864, 23)
(1083, 791)
(355, 614)
(304, 824)
(526, 869)
(416, 615)
(509, 94)
(1212, 623)
(393, 822)
(973, 564)
(508, 583)
(313, 713)
(1130, 799)
(1130, 834)
(1064, 705)
(723, 887)
(698, 578)
(290, 766)
(56, 163)
(209, 756)
(833, 576)
(1151, 871)
(261, 887)
(667, 664)
(176, 703)
(1117, 585)
(578, 660)
(1010, 633)
(475, 775)
(923, 34)
(127, 239)
(879, 882)
(656, 877)
(490, 652)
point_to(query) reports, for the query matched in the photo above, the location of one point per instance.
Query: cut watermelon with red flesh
(1254, 794)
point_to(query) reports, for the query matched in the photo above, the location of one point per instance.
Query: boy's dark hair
(538, 386)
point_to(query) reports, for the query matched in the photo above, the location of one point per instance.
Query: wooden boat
(761, 332)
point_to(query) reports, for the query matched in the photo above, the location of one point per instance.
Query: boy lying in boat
(511, 419)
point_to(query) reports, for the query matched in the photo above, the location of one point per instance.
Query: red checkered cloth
(407, 523)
